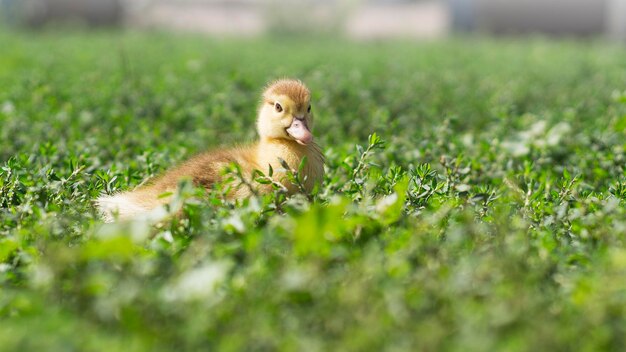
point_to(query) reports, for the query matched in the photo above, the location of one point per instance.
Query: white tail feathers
(124, 206)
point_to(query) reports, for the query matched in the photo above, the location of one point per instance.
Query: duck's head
(285, 112)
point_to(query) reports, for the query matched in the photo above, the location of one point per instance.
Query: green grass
(487, 211)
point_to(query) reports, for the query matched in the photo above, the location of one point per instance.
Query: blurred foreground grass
(486, 213)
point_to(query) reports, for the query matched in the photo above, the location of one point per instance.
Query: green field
(474, 200)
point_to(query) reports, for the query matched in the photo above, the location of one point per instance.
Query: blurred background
(359, 19)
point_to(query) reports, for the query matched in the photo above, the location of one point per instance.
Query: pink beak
(300, 131)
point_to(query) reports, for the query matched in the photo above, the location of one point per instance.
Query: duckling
(284, 125)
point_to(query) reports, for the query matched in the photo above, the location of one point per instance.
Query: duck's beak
(300, 131)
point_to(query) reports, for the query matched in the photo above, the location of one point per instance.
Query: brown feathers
(284, 124)
(294, 89)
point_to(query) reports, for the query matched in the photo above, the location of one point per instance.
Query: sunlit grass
(474, 197)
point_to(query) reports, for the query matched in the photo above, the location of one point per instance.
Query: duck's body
(283, 124)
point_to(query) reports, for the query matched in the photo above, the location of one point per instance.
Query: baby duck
(284, 124)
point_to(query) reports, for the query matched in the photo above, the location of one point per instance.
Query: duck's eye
(308, 109)
(278, 107)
